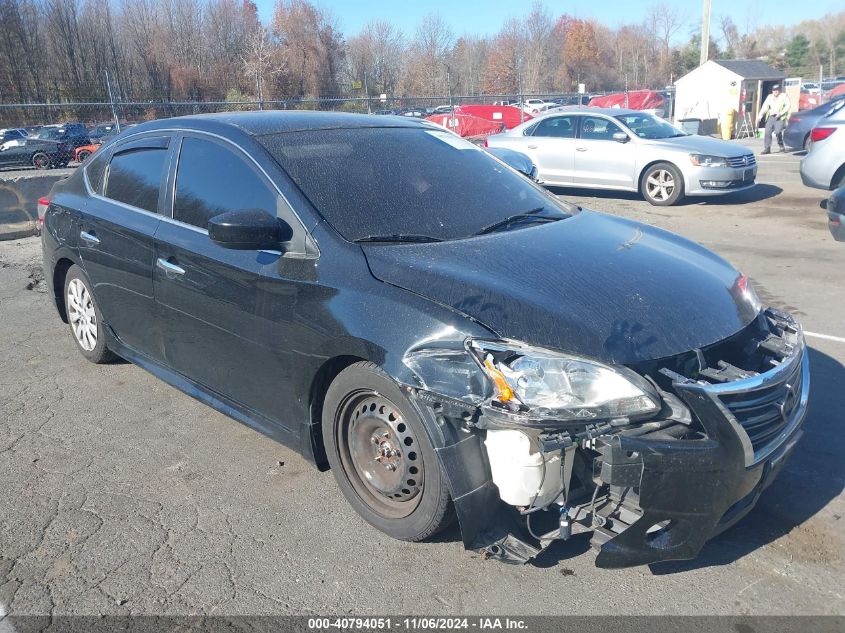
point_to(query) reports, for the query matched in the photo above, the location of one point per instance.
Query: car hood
(593, 285)
(702, 145)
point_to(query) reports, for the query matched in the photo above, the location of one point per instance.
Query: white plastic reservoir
(517, 466)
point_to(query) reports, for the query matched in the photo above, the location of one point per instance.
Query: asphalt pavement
(121, 495)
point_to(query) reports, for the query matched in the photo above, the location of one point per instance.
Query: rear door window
(556, 126)
(212, 179)
(135, 176)
(595, 128)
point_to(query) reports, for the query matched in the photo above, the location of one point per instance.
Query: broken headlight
(565, 387)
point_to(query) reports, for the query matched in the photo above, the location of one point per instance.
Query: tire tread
(443, 514)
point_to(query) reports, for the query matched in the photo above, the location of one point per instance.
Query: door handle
(580, 149)
(532, 147)
(171, 270)
(90, 238)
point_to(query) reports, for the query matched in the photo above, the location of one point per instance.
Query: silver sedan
(629, 150)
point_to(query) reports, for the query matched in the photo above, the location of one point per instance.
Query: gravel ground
(121, 495)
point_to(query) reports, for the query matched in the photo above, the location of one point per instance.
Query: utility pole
(451, 104)
(111, 101)
(705, 33)
(367, 93)
(626, 91)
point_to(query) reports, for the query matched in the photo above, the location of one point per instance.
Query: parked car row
(56, 145)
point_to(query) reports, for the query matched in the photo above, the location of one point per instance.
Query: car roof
(576, 109)
(261, 122)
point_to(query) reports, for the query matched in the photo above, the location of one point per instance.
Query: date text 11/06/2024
(416, 623)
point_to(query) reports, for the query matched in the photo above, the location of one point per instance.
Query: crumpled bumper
(668, 497)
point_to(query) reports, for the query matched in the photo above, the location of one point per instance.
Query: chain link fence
(99, 118)
(24, 115)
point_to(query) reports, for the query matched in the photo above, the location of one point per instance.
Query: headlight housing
(548, 384)
(708, 160)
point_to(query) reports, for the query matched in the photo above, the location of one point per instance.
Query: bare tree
(427, 56)
(538, 50)
(469, 63)
(664, 21)
(311, 47)
(503, 73)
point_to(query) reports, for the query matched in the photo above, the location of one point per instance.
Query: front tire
(662, 185)
(84, 317)
(381, 456)
(83, 155)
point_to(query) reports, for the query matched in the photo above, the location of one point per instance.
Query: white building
(718, 86)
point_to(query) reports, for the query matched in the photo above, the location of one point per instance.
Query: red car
(83, 152)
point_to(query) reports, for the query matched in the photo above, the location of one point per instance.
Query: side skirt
(216, 401)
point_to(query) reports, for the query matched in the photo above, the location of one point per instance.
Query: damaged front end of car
(654, 459)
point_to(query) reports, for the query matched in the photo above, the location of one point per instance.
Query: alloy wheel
(660, 184)
(81, 314)
(41, 161)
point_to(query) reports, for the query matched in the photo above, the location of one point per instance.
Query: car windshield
(49, 133)
(410, 183)
(648, 126)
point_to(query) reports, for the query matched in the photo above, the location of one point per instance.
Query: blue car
(796, 136)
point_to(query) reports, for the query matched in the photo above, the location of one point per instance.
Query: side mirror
(248, 230)
(621, 137)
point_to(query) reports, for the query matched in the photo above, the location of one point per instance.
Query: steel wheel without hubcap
(81, 314)
(660, 185)
(380, 454)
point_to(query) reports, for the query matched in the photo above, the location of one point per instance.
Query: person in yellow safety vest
(773, 114)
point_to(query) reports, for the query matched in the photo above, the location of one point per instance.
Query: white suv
(536, 106)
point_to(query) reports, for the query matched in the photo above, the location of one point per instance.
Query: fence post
(111, 101)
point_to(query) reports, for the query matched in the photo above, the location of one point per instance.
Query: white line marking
(827, 337)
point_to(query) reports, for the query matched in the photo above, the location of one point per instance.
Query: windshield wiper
(525, 215)
(399, 237)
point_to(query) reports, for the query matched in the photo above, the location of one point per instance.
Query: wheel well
(59, 274)
(838, 179)
(319, 386)
(652, 164)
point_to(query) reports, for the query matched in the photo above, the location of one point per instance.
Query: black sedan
(454, 342)
(35, 152)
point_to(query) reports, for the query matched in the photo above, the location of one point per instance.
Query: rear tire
(381, 457)
(40, 160)
(83, 155)
(84, 317)
(838, 179)
(662, 185)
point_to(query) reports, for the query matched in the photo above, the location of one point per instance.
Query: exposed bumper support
(662, 495)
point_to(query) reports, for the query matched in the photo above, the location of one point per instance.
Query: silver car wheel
(660, 185)
(83, 318)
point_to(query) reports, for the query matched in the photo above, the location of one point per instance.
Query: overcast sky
(485, 17)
